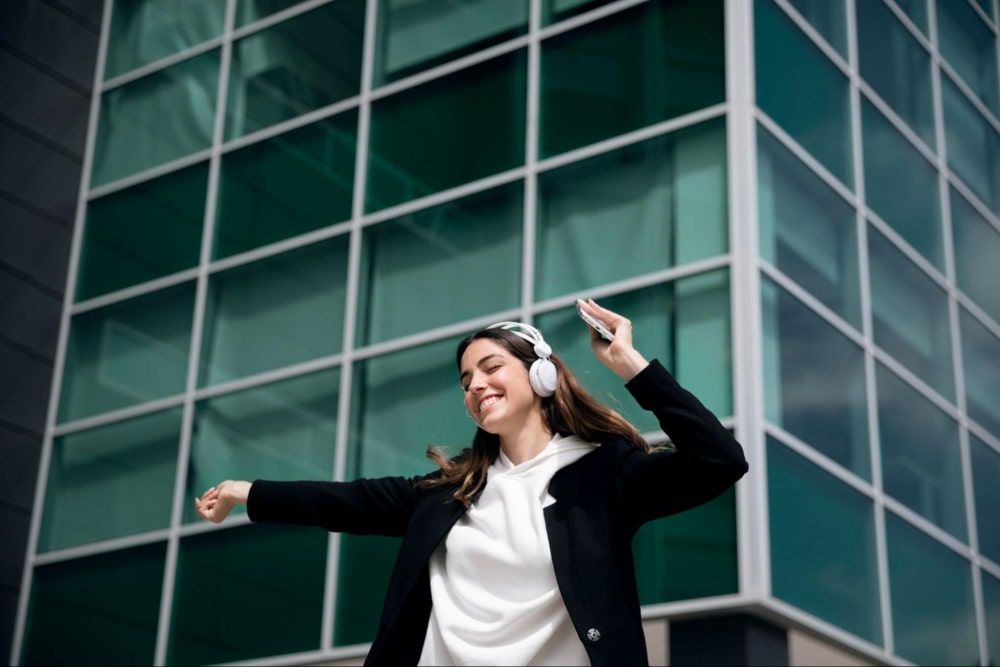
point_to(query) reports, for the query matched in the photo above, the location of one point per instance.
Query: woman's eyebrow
(479, 363)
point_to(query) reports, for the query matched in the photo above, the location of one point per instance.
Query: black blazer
(601, 500)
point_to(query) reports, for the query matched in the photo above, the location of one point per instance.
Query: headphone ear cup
(543, 377)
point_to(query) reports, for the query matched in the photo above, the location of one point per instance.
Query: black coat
(601, 500)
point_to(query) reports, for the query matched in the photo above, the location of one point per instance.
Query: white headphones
(542, 374)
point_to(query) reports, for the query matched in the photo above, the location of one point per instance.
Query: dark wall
(48, 51)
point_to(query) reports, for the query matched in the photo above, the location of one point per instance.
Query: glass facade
(295, 210)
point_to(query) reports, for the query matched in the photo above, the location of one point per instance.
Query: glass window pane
(806, 229)
(802, 90)
(364, 569)
(933, 618)
(471, 126)
(819, 398)
(275, 312)
(247, 592)
(829, 17)
(973, 145)
(289, 185)
(644, 65)
(901, 186)
(916, 10)
(559, 10)
(638, 209)
(148, 30)
(981, 354)
(304, 63)
(685, 324)
(910, 315)
(921, 463)
(449, 253)
(968, 44)
(127, 353)
(986, 484)
(284, 431)
(991, 602)
(143, 232)
(248, 11)
(822, 544)
(896, 66)
(97, 610)
(414, 35)
(111, 481)
(156, 119)
(977, 247)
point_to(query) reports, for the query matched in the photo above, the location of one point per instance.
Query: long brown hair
(572, 410)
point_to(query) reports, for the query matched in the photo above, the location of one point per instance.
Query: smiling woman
(518, 549)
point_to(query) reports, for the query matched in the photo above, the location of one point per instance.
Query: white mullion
(821, 460)
(121, 414)
(973, 199)
(902, 245)
(977, 313)
(161, 64)
(294, 123)
(909, 24)
(894, 119)
(275, 18)
(279, 247)
(915, 382)
(591, 16)
(982, 434)
(990, 566)
(931, 529)
(970, 94)
(984, 16)
(103, 546)
(531, 131)
(133, 291)
(817, 39)
(149, 174)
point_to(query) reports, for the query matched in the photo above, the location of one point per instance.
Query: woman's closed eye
(490, 369)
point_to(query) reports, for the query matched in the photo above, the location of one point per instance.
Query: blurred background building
(241, 239)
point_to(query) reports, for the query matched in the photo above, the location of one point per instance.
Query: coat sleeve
(706, 459)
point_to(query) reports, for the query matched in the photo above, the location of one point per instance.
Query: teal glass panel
(688, 555)
(986, 484)
(933, 618)
(973, 145)
(894, 63)
(991, 602)
(301, 64)
(643, 65)
(365, 567)
(822, 544)
(156, 119)
(981, 357)
(921, 461)
(143, 232)
(126, 353)
(471, 126)
(414, 35)
(802, 90)
(819, 398)
(829, 17)
(96, 610)
(977, 247)
(969, 46)
(916, 10)
(247, 592)
(111, 481)
(559, 10)
(295, 183)
(901, 186)
(281, 431)
(448, 254)
(910, 315)
(806, 229)
(148, 30)
(685, 324)
(275, 312)
(638, 209)
(249, 11)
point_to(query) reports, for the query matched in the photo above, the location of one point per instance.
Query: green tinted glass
(295, 66)
(247, 592)
(148, 30)
(806, 229)
(144, 232)
(111, 481)
(558, 10)
(819, 398)
(364, 569)
(991, 604)
(688, 555)
(643, 65)
(910, 315)
(466, 254)
(685, 324)
(97, 610)
(802, 90)
(968, 44)
(921, 462)
(126, 353)
(829, 17)
(158, 118)
(896, 66)
(294, 183)
(977, 245)
(635, 210)
(916, 10)
(933, 618)
(822, 550)
(417, 35)
(973, 145)
(248, 11)
(275, 312)
(901, 185)
(282, 431)
(471, 125)
(981, 357)
(986, 484)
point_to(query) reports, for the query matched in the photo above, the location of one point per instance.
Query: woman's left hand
(618, 354)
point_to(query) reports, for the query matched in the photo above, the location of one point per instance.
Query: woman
(517, 551)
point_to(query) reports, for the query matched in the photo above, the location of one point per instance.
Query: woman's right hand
(215, 504)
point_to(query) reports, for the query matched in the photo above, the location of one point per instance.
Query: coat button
(593, 634)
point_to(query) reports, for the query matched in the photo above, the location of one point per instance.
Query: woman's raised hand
(618, 354)
(215, 504)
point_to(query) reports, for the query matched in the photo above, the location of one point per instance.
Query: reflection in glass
(991, 604)
(981, 357)
(829, 17)
(968, 44)
(364, 570)
(559, 10)
(977, 246)
(986, 486)
(248, 11)
(973, 145)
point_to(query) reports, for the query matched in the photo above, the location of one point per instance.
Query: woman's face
(498, 394)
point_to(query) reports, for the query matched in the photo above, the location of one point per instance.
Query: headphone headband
(542, 373)
(533, 336)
